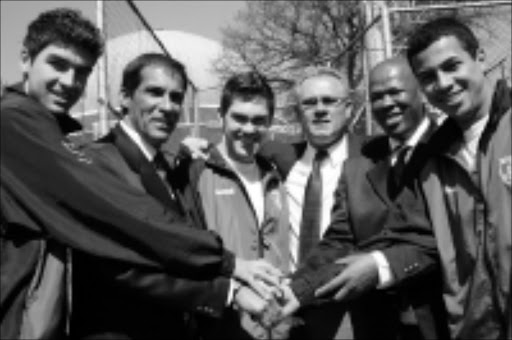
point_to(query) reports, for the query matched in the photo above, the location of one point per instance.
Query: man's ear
(25, 62)
(124, 99)
(350, 108)
(480, 56)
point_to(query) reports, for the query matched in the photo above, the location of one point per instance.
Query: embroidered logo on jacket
(505, 170)
(76, 151)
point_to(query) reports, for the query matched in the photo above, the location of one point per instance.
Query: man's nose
(443, 80)
(168, 105)
(249, 127)
(321, 111)
(388, 101)
(68, 78)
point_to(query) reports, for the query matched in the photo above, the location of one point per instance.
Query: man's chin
(159, 139)
(244, 157)
(324, 140)
(161, 134)
(57, 109)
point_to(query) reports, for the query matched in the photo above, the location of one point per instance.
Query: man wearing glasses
(312, 169)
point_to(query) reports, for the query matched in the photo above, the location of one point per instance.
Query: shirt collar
(336, 152)
(475, 131)
(414, 138)
(147, 149)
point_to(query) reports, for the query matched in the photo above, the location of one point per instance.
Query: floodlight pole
(102, 90)
(195, 102)
(386, 29)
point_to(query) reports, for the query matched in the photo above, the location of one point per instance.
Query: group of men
(407, 235)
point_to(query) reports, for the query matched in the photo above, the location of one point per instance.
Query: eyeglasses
(329, 102)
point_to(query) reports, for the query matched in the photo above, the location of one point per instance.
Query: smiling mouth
(394, 119)
(60, 99)
(452, 98)
(162, 125)
(321, 122)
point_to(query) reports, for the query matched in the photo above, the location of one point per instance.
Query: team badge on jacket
(76, 151)
(505, 169)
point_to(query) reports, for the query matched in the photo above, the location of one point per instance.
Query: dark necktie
(153, 178)
(401, 161)
(161, 165)
(312, 208)
(397, 170)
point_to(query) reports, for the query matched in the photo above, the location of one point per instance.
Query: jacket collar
(501, 103)
(66, 123)
(127, 147)
(379, 150)
(376, 148)
(147, 149)
(216, 160)
(140, 165)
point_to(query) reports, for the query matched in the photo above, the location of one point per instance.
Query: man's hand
(264, 312)
(288, 300)
(281, 307)
(359, 276)
(249, 301)
(259, 275)
(198, 147)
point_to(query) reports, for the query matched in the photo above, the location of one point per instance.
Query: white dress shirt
(147, 149)
(411, 142)
(468, 151)
(296, 182)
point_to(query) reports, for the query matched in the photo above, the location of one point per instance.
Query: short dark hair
(428, 33)
(247, 86)
(132, 71)
(66, 27)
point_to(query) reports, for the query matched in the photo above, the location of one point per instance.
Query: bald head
(396, 98)
(395, 67)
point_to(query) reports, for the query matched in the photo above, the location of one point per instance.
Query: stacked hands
(262, 292)
(266, 295)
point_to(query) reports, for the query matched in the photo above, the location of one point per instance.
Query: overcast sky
(200, 17)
